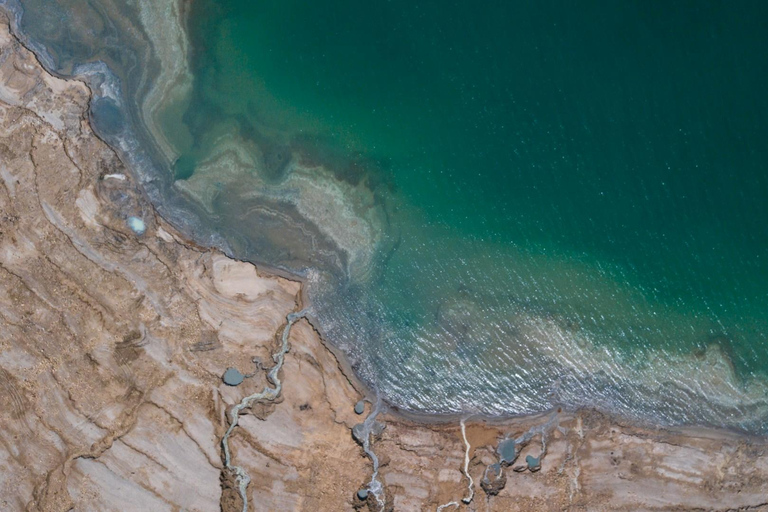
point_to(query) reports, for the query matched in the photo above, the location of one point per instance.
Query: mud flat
(116, 332)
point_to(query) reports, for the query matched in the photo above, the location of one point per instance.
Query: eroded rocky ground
(113, 343)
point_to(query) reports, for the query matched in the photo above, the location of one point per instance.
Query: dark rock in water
(493, 480)
(534, 463)
(362, 494)
(232, 377)
(507, 450)
(358, 433)
(360, 407)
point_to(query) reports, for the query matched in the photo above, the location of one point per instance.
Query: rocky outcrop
(116, 331)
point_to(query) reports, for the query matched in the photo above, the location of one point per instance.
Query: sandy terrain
(113, 344)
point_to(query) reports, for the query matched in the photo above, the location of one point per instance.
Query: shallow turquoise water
(593, 172)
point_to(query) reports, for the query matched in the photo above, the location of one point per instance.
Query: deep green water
(596, 171)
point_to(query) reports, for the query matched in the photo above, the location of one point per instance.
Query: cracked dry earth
(112, 347)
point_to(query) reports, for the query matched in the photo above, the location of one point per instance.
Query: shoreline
(92, 223)
(264, 269)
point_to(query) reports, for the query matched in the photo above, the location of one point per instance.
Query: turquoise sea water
(597, 169)
(574, 195)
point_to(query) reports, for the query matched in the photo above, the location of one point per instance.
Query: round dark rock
(362, 494)
(493, 479)
(360, 407)
(232, 377)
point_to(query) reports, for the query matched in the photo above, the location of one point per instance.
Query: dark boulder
(493, 479)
